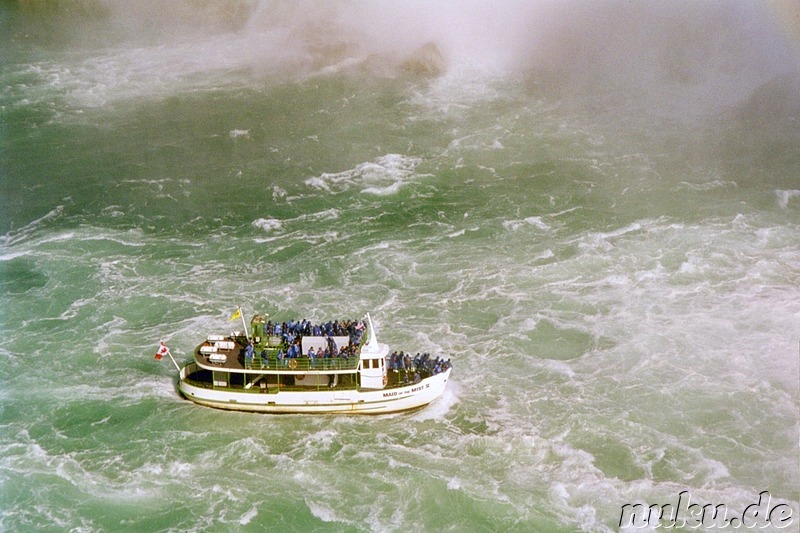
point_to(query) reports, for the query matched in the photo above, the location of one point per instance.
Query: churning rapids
(592, 208)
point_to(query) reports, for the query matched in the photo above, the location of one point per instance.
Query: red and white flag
(162, 351)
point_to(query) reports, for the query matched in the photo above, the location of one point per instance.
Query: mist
(608, 42)
(684, 60)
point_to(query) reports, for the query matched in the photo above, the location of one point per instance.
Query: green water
(601, 230)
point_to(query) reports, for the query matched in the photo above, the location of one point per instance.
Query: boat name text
(402, 392)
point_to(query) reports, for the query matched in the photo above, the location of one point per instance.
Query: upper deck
(227, 354)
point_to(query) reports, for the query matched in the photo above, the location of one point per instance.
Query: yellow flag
(237, 314)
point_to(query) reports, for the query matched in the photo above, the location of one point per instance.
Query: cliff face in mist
(680, 58)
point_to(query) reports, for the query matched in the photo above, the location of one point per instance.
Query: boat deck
(228, 354)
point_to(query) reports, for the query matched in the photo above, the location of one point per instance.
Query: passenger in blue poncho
(248, 354)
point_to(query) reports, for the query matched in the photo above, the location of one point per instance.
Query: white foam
(630, 228)
(13, 255)
(118, 74)
(382, 177)
(707, 185)
(784, 196)
(320, 182)
(321, 511)
(15, 236)
(384, 191)
(248, 516)
(439, 408)
(268, 224)
(535, 221)
(456, 92)
(326, 214)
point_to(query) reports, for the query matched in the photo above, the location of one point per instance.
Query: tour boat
(251, 371)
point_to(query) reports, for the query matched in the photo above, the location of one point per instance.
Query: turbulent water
(593, 209)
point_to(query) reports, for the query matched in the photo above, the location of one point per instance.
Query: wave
(784, 197)
(268, 224)
(18, 235)
(384, 176)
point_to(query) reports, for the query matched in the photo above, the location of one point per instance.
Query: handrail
(273, 349)
(270, 389)
(298, 364)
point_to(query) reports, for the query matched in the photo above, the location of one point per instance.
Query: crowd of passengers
(291, 334)
(419, 366)
(292, 331)
(295, 350)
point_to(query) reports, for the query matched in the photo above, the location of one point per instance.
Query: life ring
(292, 364)
(385, 380)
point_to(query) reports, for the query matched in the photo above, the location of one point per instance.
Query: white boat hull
(376, 401)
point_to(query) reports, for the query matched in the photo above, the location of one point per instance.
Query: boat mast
(372, 345)
(241, 315)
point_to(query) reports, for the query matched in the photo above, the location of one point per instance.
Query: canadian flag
(162, 351)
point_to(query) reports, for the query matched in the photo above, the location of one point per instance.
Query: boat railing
(270, 388)
(196, 376)
(273, 344)
(300, 364)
